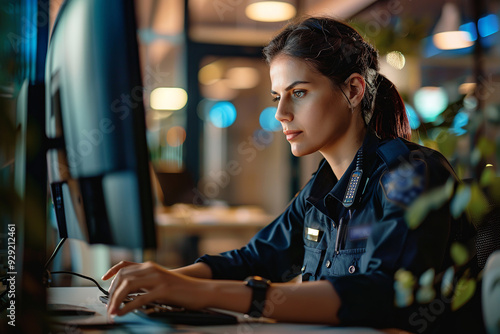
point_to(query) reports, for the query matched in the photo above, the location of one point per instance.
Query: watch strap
(259, 287)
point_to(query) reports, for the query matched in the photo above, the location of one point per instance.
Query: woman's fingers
(134, 270)
(145, 276)
(136, 303)
(113, 270)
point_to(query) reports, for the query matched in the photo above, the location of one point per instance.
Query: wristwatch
(259, 287)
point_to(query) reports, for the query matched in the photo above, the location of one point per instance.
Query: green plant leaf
(459, 253)
(494, 189)
(486, 146)
(460, 200)
(427, 202)
(487, 177)
(463, 293)
(478, 205)
(404, 282)
(405, 278)
(425, 295)
(447, 143)
(427, 278)
(475, 156)
(447, 281)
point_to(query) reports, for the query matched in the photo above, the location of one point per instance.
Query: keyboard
(180, 315)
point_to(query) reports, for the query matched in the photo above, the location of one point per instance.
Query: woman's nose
(283, 113)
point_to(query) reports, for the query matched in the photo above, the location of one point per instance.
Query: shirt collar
(370, 145)
(325, 182)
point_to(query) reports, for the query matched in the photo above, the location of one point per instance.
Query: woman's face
(314, 114)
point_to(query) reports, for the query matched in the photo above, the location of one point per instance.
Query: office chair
(479, 314)
(491, 294)
(488, 259)
(488, 235)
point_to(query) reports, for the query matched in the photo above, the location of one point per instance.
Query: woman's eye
(276, 98)
(299, 93)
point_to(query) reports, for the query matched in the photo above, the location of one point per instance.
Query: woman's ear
(355, 85)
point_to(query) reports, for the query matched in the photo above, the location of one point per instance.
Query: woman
(346, 231)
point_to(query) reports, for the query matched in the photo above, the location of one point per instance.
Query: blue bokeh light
(469, 27)
(268, 121)
(488, 25)
(412, 117)
(222, 114)
(430, 102)
(459, 122)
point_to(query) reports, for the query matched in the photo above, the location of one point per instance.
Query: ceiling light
(270, 11)
(452, 40)
(168, 98)
(447, 34)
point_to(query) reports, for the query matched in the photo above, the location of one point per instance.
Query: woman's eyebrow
(293, 84)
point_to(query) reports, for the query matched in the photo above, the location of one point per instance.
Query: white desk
(87, 297)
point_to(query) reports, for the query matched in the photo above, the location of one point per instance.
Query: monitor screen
(98, 163)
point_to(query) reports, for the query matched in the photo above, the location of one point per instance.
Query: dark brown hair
(336, 50)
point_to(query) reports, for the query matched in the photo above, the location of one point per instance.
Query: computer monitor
(98, 164)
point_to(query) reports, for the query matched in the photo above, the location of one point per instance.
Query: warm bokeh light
(210, 74)
(452, 40)
(270, 11)
(219, 90)
(176, 136)
(396, 59)
(467, 88)
(242, 77)
(168, 98)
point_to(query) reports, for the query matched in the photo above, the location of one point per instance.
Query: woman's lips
(291, 134)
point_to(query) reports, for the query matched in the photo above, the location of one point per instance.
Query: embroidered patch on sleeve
(405, 183)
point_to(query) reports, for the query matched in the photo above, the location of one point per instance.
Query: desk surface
(189, 216)
(87, 297)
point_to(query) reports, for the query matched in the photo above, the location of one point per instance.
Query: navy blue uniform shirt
(360, 255)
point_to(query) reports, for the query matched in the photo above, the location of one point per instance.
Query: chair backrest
(488, 236)
(487, 229)
(491, 294)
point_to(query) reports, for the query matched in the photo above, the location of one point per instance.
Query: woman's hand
(113, 270)
(160, 285)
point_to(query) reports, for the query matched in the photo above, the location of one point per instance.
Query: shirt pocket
(316, 229)
(313, 257)
(347, 262)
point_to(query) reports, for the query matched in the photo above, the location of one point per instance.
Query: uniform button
(328, 264)
(303, 268)
(352, 269)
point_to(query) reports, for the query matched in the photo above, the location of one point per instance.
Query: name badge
(313, 234)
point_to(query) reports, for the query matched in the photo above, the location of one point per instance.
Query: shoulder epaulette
(391, 150)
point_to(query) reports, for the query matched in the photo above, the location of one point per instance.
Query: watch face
(257, 282)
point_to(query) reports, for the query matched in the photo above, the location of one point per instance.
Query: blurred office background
(209, 111)
(210, 118)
